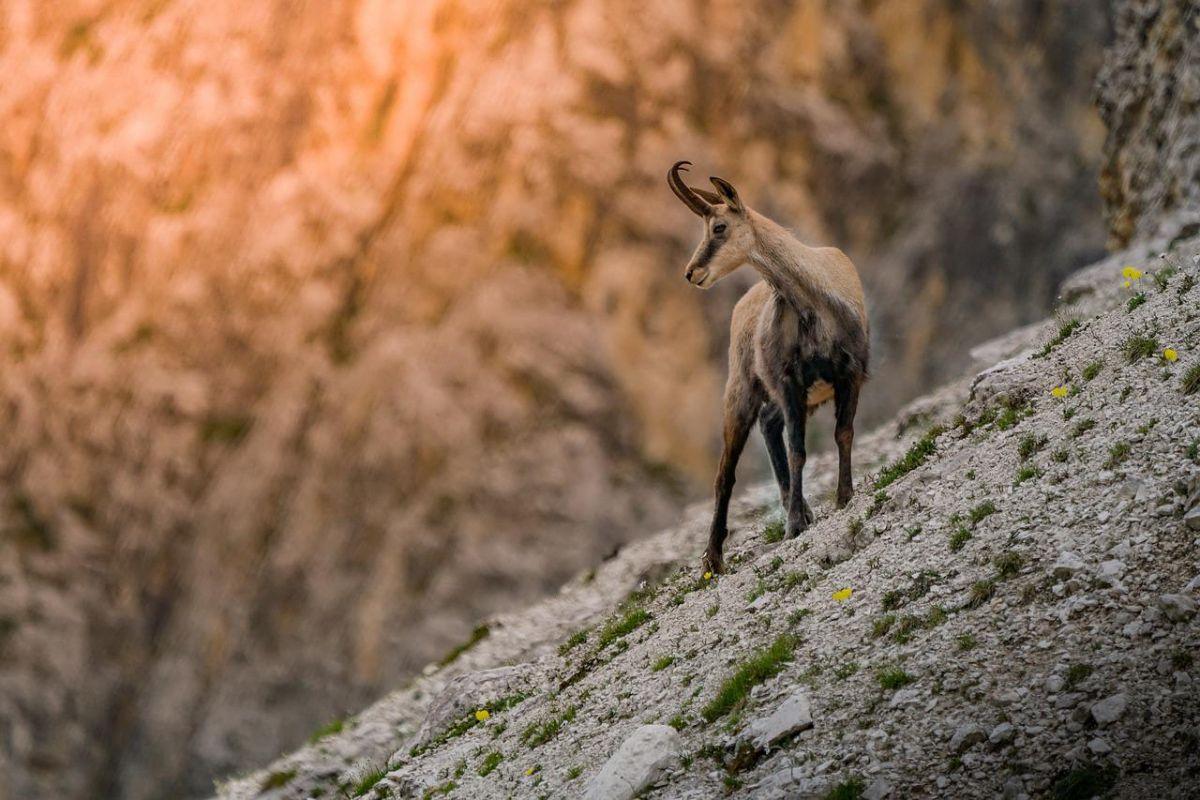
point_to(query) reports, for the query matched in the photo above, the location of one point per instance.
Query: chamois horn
(687, 194)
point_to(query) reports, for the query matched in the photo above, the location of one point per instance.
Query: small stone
(792, 716)
(878, 790)
(1002, 734)
(1099, 747)
(1110, 709)
(1067, 565)
(1177, 607)
(905, 697)
(636, 764)
(1192, 519)
(1055, 684)
(1113, 568)
(1013, 788)
(967, 736)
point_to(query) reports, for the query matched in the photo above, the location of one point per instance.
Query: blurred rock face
(1149, 96)
(329, 328)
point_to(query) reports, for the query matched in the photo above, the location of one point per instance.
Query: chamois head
(728, 233)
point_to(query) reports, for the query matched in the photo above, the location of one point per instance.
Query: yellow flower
(843, 594)
(1127, 284)
(1131, 273)
(1059, 391)
(531, 770)
(482, 715)
(708, 576)
(1170, 355)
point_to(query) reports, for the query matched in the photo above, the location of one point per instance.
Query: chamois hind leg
(795, 414)
(846, 404)
(741, 409)
(770, 422)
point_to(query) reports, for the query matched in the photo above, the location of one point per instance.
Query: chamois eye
(719, 228)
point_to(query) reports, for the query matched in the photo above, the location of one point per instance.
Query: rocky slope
(1007, 608)
(327, 328)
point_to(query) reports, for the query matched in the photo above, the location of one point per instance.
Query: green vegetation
(441, 789)
(1117, 455)
(762, 665)
(329, 729)
(1083, 426)
(1092, 370)
(1084, 782)
(959, 538)
(1138, 347)
(981, 511)
(1025, 473)
(1135, 301)
(774, 531)
(574, 640)
(843, 671)
(678, 722)
(966, 641)
(1065, 332)
(797, 616)
(917, 455)
(538, 733)
(1077, 674)
(1191, 380)
(892, 599)
(1029, 445)
(981, 592)
(1060, 456)
(575, 771)
(490, 762)
(877, 503)
(1163, 277)
(478, 635)
(892, 678)
(277, 779)
(662, 663)
(620, 628)
(1013, 412)
(882, 625)
(367, 782)
(849, 789)
(1008, 564)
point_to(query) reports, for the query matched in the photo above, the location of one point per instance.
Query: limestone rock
(792, 716)
(641, 758)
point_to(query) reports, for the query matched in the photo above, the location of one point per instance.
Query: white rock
(967, 736)
(1113, 568)
(639, 760)
(1192, 519)
(1110, 709)
(905, 697)
(1055, 684)
(1067, 565)
(878, 790)
(1003, 733)
(791, 783)
(792, 716)
(1177, 607)
(1099, 747)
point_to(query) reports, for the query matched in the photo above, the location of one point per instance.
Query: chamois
(797, 339)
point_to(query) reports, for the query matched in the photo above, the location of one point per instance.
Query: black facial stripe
(710, 250)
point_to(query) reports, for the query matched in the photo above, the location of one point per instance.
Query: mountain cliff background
(328, 328)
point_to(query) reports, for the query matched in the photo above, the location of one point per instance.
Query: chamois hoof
(714, 563)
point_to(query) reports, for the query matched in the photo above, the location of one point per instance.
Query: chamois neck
(781, 260)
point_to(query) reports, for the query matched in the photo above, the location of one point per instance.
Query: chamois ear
(728, 194)
(712, 197)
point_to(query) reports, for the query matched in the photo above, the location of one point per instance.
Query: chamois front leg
(795, 413)
(740, 412)
(846, 403)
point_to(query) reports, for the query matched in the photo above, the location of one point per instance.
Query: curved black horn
(684, 192)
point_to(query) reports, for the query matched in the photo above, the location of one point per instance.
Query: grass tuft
(959, 539)
(981, 592)
(367, 782)
(490, 762)
(1191, 380)
(1138, 347)
(1117, 454)
(849, 789)
(478, 635)
(981, 511)
(538, 733)
(1135, 301)
(774, 531)
(1065, 332)
(917, 455)
(1092, 370)
(892, 678)
(662, 663)
(574, 640)
(277, 779)
(759, 667)
(620, 628)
